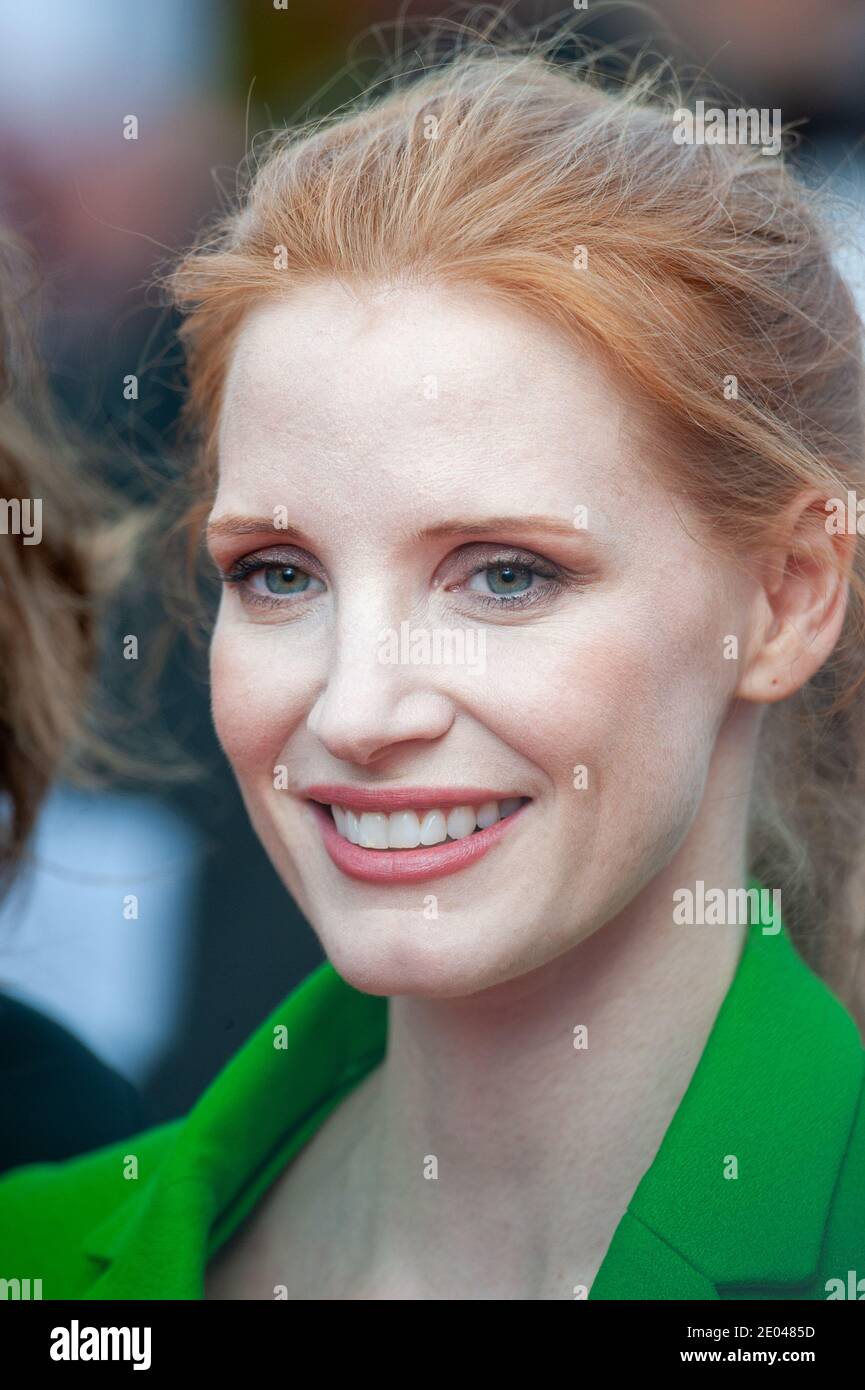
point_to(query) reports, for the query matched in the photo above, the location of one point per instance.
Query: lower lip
(409, 865)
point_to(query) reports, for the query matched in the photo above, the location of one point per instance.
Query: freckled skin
(327, 412)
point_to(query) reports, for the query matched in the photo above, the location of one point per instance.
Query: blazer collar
(774, 1090)
(774, 1094)
(207, 1171)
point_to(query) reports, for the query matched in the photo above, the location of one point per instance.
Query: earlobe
(783, 665)
(805, 593)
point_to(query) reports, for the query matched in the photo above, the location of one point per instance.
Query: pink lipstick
(425, 861)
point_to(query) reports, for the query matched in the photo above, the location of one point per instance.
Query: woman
(539, 668)
(58, 556)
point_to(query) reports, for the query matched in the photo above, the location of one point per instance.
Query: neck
(537, 1145)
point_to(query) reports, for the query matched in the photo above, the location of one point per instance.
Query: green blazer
(778, 1091)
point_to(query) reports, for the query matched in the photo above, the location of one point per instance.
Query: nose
(367, 705)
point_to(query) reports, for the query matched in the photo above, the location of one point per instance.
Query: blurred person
(492, 357)
(57, 1098)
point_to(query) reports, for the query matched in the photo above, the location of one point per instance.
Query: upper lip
(402, 798)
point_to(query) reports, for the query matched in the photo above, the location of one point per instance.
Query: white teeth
(461, 822)
(373, 830)
(403, 830)
(433, 829)
(408, 829)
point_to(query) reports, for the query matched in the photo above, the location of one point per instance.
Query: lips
(401, 798)
(390, 818)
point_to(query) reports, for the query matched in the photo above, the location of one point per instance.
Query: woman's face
(455, 578)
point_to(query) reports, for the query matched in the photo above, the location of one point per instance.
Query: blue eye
(285, 579)
(512, 581)
(269, 581)
(506, 578)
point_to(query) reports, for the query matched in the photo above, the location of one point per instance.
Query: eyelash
(522, 562)
(557, 579)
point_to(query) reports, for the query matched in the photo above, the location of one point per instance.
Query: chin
(402, 956)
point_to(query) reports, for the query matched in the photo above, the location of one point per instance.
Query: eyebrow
(248, 525)
(553, 525)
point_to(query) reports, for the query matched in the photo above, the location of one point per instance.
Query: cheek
(254, 702)
(632, 691)
(658, 694)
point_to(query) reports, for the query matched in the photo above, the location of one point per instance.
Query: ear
(804, 582)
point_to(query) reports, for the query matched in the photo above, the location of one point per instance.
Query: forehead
(439, 387)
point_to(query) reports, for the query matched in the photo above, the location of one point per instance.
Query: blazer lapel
(736, 1196)
(155, 1247)
(237, 1138)
(639, 1264)
(738, 1193)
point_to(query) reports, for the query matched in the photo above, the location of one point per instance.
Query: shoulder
(48, 1209)
(65, 1100)
(830, 1115)
(844, 1247)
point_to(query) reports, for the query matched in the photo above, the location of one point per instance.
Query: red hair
(702, 263)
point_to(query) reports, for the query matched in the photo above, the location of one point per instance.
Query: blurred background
(148, 921)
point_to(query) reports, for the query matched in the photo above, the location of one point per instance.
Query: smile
(408, 829)
(410, 834)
